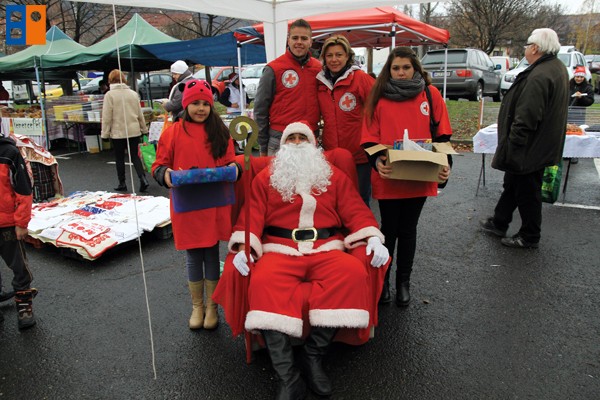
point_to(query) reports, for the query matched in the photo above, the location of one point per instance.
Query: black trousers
(120, 146)
(399, 220)
(525, 193)
(13, 253)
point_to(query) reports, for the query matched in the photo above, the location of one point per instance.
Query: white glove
(240, 263)
(380, 252)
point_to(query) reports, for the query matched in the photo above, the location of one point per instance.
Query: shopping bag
(147, 153)
(551, 183)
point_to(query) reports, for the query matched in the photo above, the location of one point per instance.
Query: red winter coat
(342, 107)
(390, 119)
(180, 150)
(15, 187)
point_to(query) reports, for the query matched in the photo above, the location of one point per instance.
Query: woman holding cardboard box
(402, 99)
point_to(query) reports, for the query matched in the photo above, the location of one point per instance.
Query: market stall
(91, 223)
(576, 146)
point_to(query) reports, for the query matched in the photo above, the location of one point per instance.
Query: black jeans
(13, 253)
(525, 193)
(120, 146)
(399, 219)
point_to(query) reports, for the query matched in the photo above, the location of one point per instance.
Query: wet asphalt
(486, 321)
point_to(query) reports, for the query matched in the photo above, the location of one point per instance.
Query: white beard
(300, 168)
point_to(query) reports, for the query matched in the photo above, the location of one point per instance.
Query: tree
(487, 24)
(187, 25)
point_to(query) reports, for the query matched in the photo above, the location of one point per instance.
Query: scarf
(333, 77)
(403, 89)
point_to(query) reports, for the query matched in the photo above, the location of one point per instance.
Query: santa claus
(305, 213)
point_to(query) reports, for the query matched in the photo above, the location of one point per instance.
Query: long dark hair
(216, 131)
(385, 76)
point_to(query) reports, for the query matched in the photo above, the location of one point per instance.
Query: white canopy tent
(273, 13)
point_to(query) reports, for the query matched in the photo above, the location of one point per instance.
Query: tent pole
(242, 92)
(393, 35)
(42, 107)
(445, 69)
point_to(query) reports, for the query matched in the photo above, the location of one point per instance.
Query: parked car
(567, 54)
(159, 86)
(250, 78)
(92, 87)
(219, 77)
(504, 63)
(470, 73)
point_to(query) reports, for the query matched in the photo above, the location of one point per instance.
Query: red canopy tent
(374, 27)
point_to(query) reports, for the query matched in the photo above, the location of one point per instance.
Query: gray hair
(546, 40)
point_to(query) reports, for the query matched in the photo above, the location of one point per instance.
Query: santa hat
(233, 77)
(179, 67)
(195, 90)
(579, 71)
(298, 127)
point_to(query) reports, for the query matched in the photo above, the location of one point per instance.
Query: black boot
(143, 184)
(23, 301)
(315, 347)
(291, 385)
(122, 186)
(402, 290)
(386, 296)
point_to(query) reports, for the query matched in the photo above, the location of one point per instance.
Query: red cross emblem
(424, 108)
(290, 78)
(347, 102)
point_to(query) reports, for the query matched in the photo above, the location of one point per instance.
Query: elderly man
(299, 207)
(287, 90)
(531, 135)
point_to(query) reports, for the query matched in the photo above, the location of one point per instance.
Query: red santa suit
(390, 119)
(181, 150)
(339, 290)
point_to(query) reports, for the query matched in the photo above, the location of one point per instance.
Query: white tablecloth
(582, 146)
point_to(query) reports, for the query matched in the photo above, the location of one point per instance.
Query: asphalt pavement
(486, 321)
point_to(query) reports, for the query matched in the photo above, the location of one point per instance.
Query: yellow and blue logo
(25, 25)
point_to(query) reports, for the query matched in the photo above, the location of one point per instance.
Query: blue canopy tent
(219, 50)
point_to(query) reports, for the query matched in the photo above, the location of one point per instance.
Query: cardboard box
(413, 165)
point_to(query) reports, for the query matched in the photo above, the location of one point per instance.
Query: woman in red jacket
(399, 101)
(342, 91)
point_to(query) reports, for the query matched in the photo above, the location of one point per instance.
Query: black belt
(301, 235)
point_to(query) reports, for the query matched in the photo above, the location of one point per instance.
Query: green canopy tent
(126, 44)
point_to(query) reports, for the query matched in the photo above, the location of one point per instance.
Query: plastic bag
(147, 153)
(408, 144)
(551, 183)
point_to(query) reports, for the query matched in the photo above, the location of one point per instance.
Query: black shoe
(487, 225)
(144, 184)
(6, 295)
(291, 384)
(403, 294)
(386, 296)
(518, 242)
(23, 302)
(121, 188)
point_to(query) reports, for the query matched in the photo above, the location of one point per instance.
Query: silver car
(470, 73)
(250, 78)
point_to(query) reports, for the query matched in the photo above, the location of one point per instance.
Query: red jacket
(180, 150)
(15, 187)
(342, 108)
(390, 118)
(295, 92)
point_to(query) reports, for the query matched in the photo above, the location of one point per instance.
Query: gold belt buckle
(313, 239)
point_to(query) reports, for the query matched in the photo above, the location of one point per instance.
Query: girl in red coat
(342, 92)
(199, 140)
(397, 102)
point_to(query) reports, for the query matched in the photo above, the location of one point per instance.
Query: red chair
(232, 290)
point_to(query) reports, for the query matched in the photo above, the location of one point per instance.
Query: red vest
(295, 92)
